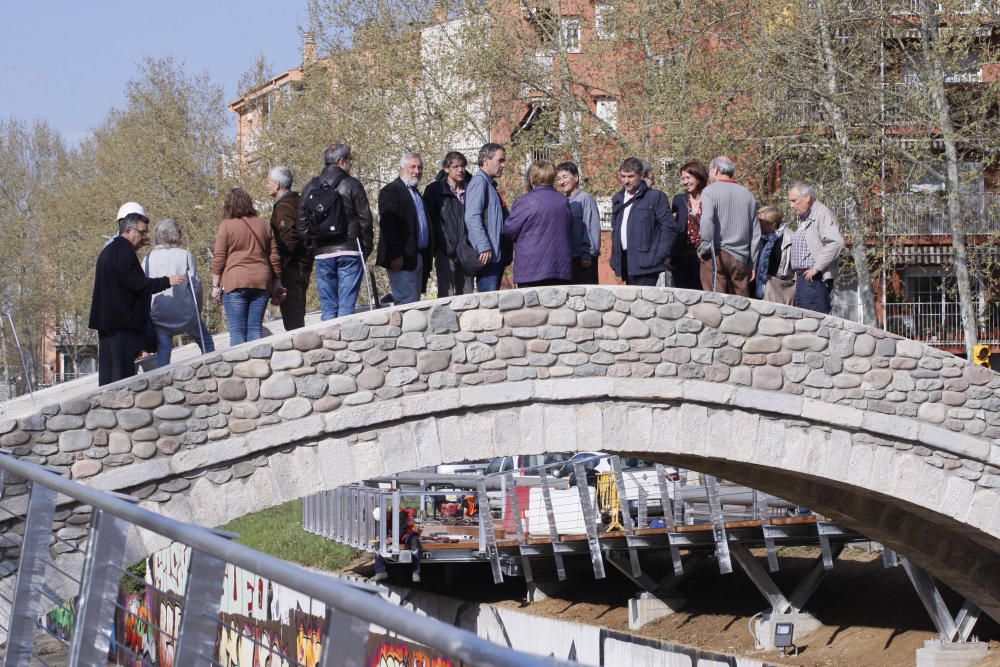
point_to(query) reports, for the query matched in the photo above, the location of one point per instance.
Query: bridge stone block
(694, 428)
(859, 472)
(560, 429)
(341, 384)
(367, 460)
(252, 368)
(287, 360)
(334, 464)
(85, 468)
(395, 445)
(963, 445)
(59, 423)
(295, 408)
(427, 444)
(511, 392)
(768, 401)
(75, 441)
(956, 496)
(709, 392)
(890, 424)
(484, 320)
(116, 399)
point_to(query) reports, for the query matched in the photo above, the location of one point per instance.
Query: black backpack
(326, 219)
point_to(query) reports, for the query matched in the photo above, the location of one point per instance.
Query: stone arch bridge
(894, 439)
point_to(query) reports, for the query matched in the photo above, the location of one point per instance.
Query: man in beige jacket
(816, 245)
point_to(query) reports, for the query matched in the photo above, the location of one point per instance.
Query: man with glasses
(485, 212)
(119, 310)
(444, 199)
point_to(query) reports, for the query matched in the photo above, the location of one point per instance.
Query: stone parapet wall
(511, 336)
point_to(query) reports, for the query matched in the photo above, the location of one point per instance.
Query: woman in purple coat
(541, 227)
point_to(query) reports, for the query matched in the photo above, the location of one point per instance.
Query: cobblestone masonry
(761, 393)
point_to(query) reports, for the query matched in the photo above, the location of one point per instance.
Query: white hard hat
(129, 208)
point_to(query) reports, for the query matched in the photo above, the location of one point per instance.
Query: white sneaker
(416, 578)
(380, 576)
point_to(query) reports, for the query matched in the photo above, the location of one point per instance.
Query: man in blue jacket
(485, 212)
(642, 228)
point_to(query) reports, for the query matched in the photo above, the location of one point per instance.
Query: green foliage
(278, 531)
(133, 581)
(165, 148)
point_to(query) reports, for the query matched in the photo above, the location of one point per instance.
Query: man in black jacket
(340, 264)
(642, 228)
(296, 256)
(444, 199)
(119, 309)
(405, 244)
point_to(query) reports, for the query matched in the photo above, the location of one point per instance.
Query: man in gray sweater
(730, 233)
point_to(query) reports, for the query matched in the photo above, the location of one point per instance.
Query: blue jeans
(406, 284)
(338, 280)
(488, 280)
(165, 340)
(813, 295)
(245, 312)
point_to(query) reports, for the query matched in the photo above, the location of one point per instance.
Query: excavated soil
(871, 615)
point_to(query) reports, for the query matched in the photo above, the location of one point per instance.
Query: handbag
(468, 256)
(278, 297)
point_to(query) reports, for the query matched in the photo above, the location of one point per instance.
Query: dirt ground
(870, 615)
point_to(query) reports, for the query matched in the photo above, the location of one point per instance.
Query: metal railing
(601, 496)
(940, 323)
(350, 608)
(925, 214)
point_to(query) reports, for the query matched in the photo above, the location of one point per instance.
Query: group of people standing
(710, 237)
(713, 237)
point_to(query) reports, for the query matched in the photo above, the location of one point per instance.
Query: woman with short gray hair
(176, 310)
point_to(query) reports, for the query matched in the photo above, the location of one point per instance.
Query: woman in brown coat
(246, 267)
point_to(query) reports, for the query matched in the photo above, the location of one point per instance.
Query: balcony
(940, 323)
(923, 214)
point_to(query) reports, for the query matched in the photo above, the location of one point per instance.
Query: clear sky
(67, 61)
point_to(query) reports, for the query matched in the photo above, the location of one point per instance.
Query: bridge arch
(892, 438)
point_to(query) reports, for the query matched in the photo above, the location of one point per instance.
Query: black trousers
(687, 271)
(643, 279)
(116, 353)
(585, 276)
(451, 277)
(548, 282)
(293, 308)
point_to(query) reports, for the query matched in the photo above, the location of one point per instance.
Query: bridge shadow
(858, 593)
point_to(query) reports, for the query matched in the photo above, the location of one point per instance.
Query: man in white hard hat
(119, 309)
(125, 210)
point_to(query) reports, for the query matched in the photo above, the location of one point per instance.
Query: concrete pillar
(937, 653)
(646, 608)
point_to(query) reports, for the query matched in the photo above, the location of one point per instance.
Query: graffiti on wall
(60, 621)
(394, 652)
(134, 641)
(261, 624)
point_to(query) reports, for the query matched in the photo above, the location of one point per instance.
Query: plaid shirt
(802, 259)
